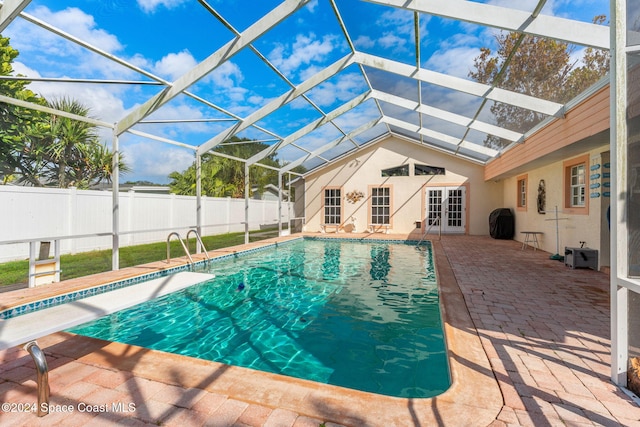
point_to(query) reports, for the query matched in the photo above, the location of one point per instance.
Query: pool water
(359, 315)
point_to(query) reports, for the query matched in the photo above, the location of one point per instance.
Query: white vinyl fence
(42, 213)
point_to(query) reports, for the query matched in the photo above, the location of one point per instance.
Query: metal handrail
(104, 234)
(424, 235)
(186, 249)
(199, 240)
(42, 372)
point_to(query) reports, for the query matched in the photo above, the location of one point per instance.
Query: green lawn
(86, 263)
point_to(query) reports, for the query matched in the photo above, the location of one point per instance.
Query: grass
(86, 263)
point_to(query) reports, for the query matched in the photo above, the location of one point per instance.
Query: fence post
(246, 203)
(130, 209)
(115, 204)
(72, 217)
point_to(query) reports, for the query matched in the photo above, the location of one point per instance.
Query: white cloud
(364, 42)
(344, 88)
(174, 65)
(79, 24)
(154, 161)
(456, 61)
(55, 55)
(22, 69)
(150, 6)
(104, 101)
(395, 30)
(391, 40)
(305, 51)
(226, 75)
(312, 6)
(360, 115)
(399, 19)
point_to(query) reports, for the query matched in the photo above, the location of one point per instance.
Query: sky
(166, 38)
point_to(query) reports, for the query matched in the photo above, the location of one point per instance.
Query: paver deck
(543, 343)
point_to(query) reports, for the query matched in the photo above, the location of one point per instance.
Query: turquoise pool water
(359, 315)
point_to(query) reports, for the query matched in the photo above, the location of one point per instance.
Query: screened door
(448, 205)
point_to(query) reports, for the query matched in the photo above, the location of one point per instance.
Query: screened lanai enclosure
(169, 82)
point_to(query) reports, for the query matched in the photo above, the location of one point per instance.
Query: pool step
(30, 326)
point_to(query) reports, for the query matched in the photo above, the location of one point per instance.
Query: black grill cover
(501, 224)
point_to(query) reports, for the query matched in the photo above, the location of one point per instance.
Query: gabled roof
(305, 116)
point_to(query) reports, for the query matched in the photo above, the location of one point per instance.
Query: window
(332, 205)
(380, 206)
(397, 171)
(428, 170)
(522, 192)
(575, 185)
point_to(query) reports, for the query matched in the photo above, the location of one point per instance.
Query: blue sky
(169, 37)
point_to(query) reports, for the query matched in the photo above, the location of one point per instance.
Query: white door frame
(453, 208)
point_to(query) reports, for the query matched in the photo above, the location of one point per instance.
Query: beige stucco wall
(362, 170)
(573, 228)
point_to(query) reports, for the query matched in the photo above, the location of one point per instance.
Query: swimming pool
(354, 314)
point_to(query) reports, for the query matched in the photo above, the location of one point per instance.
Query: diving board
(27, 327)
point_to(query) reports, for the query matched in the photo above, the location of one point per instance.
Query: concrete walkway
(543, 326)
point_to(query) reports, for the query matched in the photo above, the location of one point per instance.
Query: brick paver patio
(545, 329)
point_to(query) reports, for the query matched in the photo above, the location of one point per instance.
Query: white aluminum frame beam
(456, 143)
(234, 46)
(280, 101)
(263, 58)
(568, 30)
(9, 10)
(462, 85)
(448, 116)
(317, 152)
(162, 139)
(81, 81)
(354, 102)
(116, 59)
(49, 110)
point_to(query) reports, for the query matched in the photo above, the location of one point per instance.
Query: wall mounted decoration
(542, 197)
(354, 196)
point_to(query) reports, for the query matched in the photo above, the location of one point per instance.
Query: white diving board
(27, 327)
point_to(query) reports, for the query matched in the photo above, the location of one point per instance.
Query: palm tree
(74, 155)
(224, 177)
(67, 141)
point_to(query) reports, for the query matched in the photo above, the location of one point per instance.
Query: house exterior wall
(362, 171)
(574, 226)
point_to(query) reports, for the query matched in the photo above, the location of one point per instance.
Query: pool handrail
(199, 241)
(186, 249)
(42, 371)
(424, 235)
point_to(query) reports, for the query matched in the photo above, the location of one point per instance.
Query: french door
(447, 204)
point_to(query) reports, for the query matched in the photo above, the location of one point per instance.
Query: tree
(224, 177)
(15, 122)
(39, 149)
(539, 67)
(68, 152)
